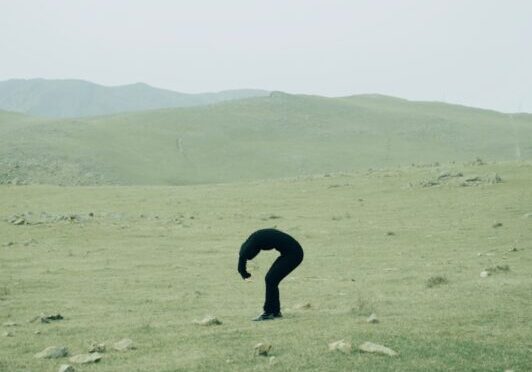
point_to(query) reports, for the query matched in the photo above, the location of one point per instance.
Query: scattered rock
(484, 274)
(273, 361)
(434, 281)
(97, 347)
(209, 320)
(37, 332)
(86, 358)
(370, 347)
(304, 306)
(66, 368)
(496, 224)
(262, 349)
(19, 221)
(372, 318)
(10, 323)
(497, 269)
(341, 345)
(124, 345)
(7, 334)
(46, 318)
(52, 352)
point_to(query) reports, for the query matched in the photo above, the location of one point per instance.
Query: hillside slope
(268, 137)
(78, 98)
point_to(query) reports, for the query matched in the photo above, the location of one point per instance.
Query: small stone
(484, 274)
(10, 324)
(7, 334)
(273, 361)
(97, 348)
(66, 368)
(341, 345)
(513, 249)
(8, 244)
(86, 358)
(19, 221)
(496, 224)
(262, 348)
(372, 318)
(37, 332)
(304, 306)
(208, 321)
(370, 347)
(124, 345)
(52, 352)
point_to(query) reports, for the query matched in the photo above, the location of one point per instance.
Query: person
(290, 258)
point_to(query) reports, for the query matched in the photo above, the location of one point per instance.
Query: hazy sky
(473, 52)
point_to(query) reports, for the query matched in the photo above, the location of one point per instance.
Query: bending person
(291, 256)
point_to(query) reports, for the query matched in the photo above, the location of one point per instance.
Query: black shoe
(264, 316)
(278, 315)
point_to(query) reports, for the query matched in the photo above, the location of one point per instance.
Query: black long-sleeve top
(265, 239)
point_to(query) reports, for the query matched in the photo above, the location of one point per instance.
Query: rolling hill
(78, 98)
(280, 135)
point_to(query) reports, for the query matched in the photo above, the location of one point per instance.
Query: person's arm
(242, 267)
(248, 251)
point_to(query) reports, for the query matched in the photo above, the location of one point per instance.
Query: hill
(78, 98)
(280, 135)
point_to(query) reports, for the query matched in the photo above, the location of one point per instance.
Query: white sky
(473, 52)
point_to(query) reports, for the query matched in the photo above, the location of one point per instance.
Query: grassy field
(268, 137)
(150, 260)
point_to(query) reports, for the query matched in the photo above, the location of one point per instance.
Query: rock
(304, 306)
(19, 221)
(7, 334)
(86, 358)
(484, 274)
(46, 318)
(370, 347)
(37, 332)
(52, 352)
(209, 320)
(372, 318)
(341, 345)
(66, 368)
(262, 348)
(10, 324)
(8, 244)
(97, 348)
(124, 344)
(273, 361)
(390, 233)
(496, 224)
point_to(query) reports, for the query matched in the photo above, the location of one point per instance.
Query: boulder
(66, 368)
(52, 352)
(209, 320)
(370, 347)
(124, 344)
(262, 348)
(342, 346)
(86, 358)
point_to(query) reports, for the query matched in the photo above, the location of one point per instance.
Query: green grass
(259, 138)
(119, 274)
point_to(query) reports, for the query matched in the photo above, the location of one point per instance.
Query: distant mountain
(78, 98)
(280, 135)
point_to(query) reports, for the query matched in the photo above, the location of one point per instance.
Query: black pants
(283, 265)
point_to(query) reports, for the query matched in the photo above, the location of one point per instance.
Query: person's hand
(245, 275)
